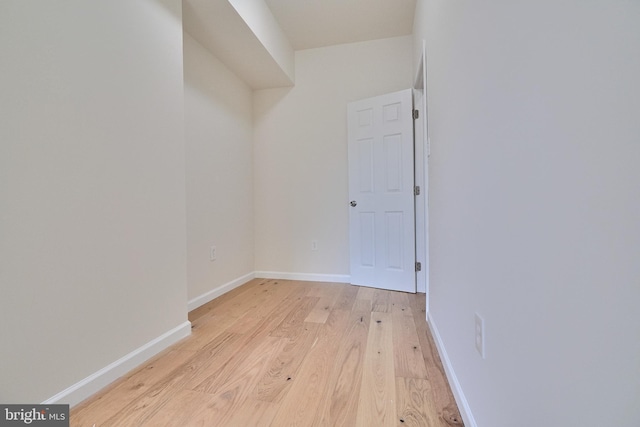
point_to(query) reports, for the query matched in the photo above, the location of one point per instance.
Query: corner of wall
(220, 290)
(456, 388)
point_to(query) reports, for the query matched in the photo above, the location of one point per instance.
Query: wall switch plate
(212, 253)
(479, 336)
(314, 245)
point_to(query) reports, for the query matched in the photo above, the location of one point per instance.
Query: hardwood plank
(143, 408)
(278, 377)
(277, 292)
(251, 300)
(378, 391)
(285, 293)
(347, 297)
(328, 294)
(320, 312)
(339, 405)
(231, 395)
(365, 293)
(400, 302)
(364, 298)
(198, 408)
(300, 404)
(293, 322)
(417, 303)
(362, 305)
(206, 332)
(381, 301)
(414, 404)
(244, 324)
(253, 413)
(228, 362)
(98, 409)
(186, 408)
(324, 289)
(407, 352)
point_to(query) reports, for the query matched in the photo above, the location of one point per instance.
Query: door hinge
(418, 266)
(416, 114)
(416, 190)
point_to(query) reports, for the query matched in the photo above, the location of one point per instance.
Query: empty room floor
(280, 353)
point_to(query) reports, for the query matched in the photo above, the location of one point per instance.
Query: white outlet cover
(212, 253)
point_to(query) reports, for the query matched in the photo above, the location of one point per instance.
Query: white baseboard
(215, 293)
(461, 400)
(105, 376)
(307, 277)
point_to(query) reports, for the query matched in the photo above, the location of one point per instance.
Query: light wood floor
(287, 353)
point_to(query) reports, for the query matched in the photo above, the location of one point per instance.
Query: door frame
(422, 148)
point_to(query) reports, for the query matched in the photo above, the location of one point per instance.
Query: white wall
(218, 123)
(92, 214)
(300, 152)
(534, 206)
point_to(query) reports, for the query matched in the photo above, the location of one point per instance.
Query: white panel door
(381, 212)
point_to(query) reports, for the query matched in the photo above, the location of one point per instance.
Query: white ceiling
(219, 26)
(317, 23)
(216, 25)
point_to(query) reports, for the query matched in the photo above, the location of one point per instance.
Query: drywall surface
(245, 37)
(258, 17)
(218, 129)
(300, 152)
(92, 215)
(534, 205)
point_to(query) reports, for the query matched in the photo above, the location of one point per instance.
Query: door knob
(353, 203)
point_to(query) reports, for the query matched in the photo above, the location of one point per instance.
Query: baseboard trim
(105, 376)
(215, 293)
(307, 277)
(461, 400)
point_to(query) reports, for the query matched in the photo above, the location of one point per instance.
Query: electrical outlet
(480, 335)
(212, 253)
(314, 245)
